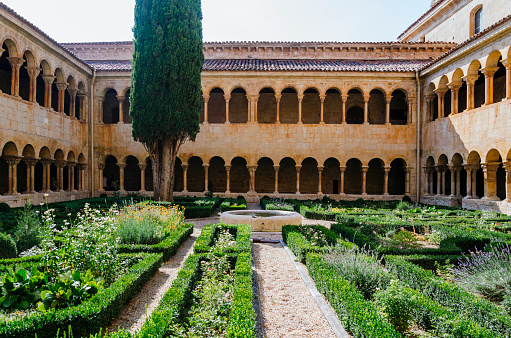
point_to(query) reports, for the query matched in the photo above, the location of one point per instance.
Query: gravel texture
(288, 309)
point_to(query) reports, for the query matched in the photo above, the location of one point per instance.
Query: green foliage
(7, 246)
(209, 235)
(404, 239)
(4, 207)
(20, 288)
(396, 306)
(402, 206)
(28, 229)
(233, 204)
(406, 199)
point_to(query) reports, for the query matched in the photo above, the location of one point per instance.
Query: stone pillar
(101, 99)
(82, 110)
(121, 109)
(444, 173)
(439, 180)
(320, 172)
(388, 98)
(490, 180)
(12, 161)
(507, 166)
(61, 86)
(410, 112)
(256, 100)
(60, 164)
(441, 96)
(206, 100)
(276, 168)
(386, 170)
(455, 88)
(364, 179)
(298, 167)
(408, 180)
(458, 181)
(206, 177)
(142, 167)
(46, 174)
(227, 99)
(432, 180)
(72, 101)
(468, 168)
(228, 170)
(48, 81)
(429, 108)
(453, 180)
(252, 169)
(81, 176)
(185, 176)
(344, 99)
(366, 108)
(30, 162)
(470, 80)
(300, 99)
(507, 63)
(277, 98)
(71, 176)
(33, 72)
(322, 119)
(341, 183)
(489, 72)
(16, 64)
(101, 167)
(121, 176)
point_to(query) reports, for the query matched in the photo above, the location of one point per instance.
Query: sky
(233, 20)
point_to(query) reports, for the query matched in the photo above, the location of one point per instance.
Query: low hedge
(93, 314)
(7, 247)
(358, 316)
(427, 262)
(206, 241)
(195, 209)
(322, 215)
(449, 295)
(168, 246)
(9, 261)
(230, 204)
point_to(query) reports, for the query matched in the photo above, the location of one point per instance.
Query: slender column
(121, 176)
(439, 180)
(364, 179)
(30, 174)
(507, 166)
(490, 180)
(142, 167)
(431, 180)
(71, 176)
(410, 112)
(474, 181)
(458, 181)
(489, 72)
(455, 89)
(256, 100)
(366, 109)
(300, 100)
(427, 176)
(252, 118)
(206, 100)
(276, 168)
(341, 183)
(470, 80)
(61, 86)
(408, 180)
(453, 180)
(252, 169)
(320, 172)
(386, 169)
(228, 170)
(72, 101)
(298, 167)
(33, 72)
(16, 64)
(81, 176)
(444, 174)
(388, 98)
(468, 169)
(507, 63)
(185, 176)
(206, 177)
(48, 81)
(227, 99)
(60, 164)
(82, 110)
(277, 98)
(101, 167)
(101, 99)
(344, 99)
(429, 104)
(121, 109)
(322, 98)
(46, 181)
(12, 161)
(441, 98)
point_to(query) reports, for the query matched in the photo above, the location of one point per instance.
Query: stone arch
(375, 177)
(444, 90)
(216, 106)
(330, 177)
(240, 176)
(309, 176)
(377, 106)
(287, 175)
(24, 77)
(110, 106)
(126, 107)
(10, 149)
(131, 174)
(355, 106)
(397, 177)
(499, 77)
(457, 79)
(45, 153)
(353, 176)
(433, 102)
(311, 106)
(474, 71)
(238, 106)
(475, 159)
(59, 79)
(71, 156)
(71, 87)
(45, 67)
(28, 151)
(265, 176)
(399, 108)
(476, 20)
(59, 155)
(11, 47)
(267, 106)
(217, 175)
(196, 175)
(289, 106)
(5, 66)
(461, 179)
(333, 106)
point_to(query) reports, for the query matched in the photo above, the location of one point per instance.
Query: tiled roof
(432, 8)
(263, 65)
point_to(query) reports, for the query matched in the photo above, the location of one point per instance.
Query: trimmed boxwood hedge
(209, 233)
(168, 246)
(7, 247)
(233, 204)
(93, 314)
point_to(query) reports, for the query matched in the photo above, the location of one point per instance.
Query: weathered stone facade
(302, 120)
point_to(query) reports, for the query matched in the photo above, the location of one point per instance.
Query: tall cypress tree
(166, 83)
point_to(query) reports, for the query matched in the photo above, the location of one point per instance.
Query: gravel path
(288, 309)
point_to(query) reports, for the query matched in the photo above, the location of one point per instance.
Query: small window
(478, 20)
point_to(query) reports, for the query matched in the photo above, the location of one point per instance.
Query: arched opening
(67, 95)
(240, 177)
(5, 70)
(40, 85)
(355, 107)
(499, 82)
(265, 176)
(79, 106)
(332, 107)
(311, 106)
(289, 106)
(178, 175)
(195, 175)
(267, 106)
(53, 177)
(238, 106)
(430, 176)
(24, 84)
(447, 103)
(474, 159)
(111, 107)
(309, 176)
(216, 106)
(4, 176)
(398, 108)
(149, 184)
(131, 174)
(217, 175)
(397, 177)
(330, 178)
(479, 90)
(21, 172)
(377, 107)
(126, 107)
(287, 176)
(24, 176)
(111, 172)
(59, 78)
(353, 177)
(457, 162)
(433, 102)
(501, 181)
(375, 177)
(201, 116)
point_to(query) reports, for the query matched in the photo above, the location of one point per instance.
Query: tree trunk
(163, 155)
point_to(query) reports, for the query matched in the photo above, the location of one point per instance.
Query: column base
(120, 122)
(342, 194)
(490, 198)
(344, 122)
(299, 122)
(366, 123)
(142, 190)
(275, 193)
(364, 194)
(388, 123)
(278, 122)
(321, 122)
(297, 193)
(228, 192)
(185, 191)
(227, 122)
(386, 194)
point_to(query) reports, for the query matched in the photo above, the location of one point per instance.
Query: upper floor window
(478, 20)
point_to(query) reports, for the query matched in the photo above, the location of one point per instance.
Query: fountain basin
(262, 220)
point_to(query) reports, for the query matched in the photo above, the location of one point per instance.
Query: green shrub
(4, 207)
(28, 229)
(406, 199)
(7, 247)
(233, 204)
(403, 205)
(206, 241)
(396, 305)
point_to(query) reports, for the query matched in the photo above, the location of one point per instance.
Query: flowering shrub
(316, 237)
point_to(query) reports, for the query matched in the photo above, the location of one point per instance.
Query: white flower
(46, 195)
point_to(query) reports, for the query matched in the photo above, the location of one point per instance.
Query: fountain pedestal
(262, 220)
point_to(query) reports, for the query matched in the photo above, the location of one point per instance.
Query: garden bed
(207, 241)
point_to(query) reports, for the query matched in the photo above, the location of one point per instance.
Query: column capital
(276, 167)
(82, 95)
(48, 79)
(205, 98)
(121, 165)
(298, 167)
(388, 97)
(60, 163)
(16, 62)
(441, 167)
(71, 164)
(278, 97)
(342, 168)
(61, 85)
(33, 71)
(320, 168)
(471, 166)
(72, 91)
(30, 162)
(506, 63)
(101, 166)
(322, 97)
(507, 166)
(470, 79)
(81, 166)
(12, 160)
(489, 71)
(142, 166)
(440, 92)
(227, 97)
(184, 165)
(252, 168)
(386, 168)
(344, 98)
(227, 167)
(300, 97)
(454, 86)
(365, 168)
(100, 98)
(366, 98)
(121, 98)
(46, 162)
(490, 166)
(253, 97)
(205, 165)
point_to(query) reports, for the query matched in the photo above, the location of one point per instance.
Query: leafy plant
(404, 239)
(395, 306)
(315, 236)
(20, 288)
(28, 229)
(7, 246)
